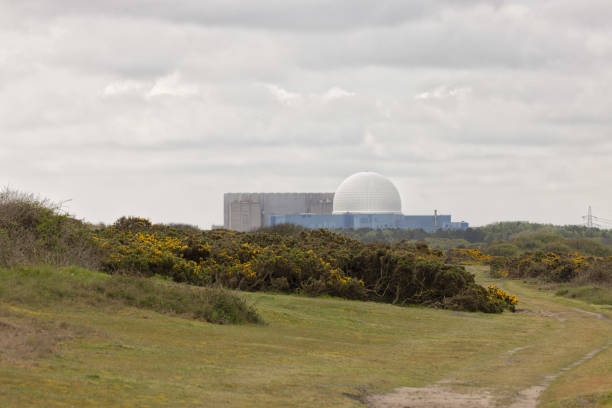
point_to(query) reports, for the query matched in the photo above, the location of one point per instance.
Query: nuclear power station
(250, 211)
(363, 200)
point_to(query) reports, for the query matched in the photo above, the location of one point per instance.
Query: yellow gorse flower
(496, 293)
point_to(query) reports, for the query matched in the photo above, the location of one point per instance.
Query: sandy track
(442, 395)
(434, 396)
(528, 398)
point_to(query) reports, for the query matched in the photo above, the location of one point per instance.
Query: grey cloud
(490, 110)
(597, 14)
(475, 40)
(267, 14)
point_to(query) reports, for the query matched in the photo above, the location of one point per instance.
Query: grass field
(599, 295)
(311, 352)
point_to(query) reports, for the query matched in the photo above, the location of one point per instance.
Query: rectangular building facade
(250, 211)
(428, 223)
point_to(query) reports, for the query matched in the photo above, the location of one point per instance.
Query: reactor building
(363, 200)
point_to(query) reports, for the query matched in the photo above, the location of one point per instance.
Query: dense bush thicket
(285, 258)
(555, 267)
(34, 231)
(598, 272)
(550, 266)
(293, 260)
(465, 256)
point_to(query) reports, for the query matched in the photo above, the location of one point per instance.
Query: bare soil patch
(25, 338)
(434, 396)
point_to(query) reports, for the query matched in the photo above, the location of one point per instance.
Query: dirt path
(528, 398)
(443, 395)
(434, 396)
(457, 393)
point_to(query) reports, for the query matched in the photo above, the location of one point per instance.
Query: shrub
(558, 247)
(149, 254)
(498, 267)
(286, 258)
(503, 249)
(504, 299)
(590, 247)
(34, 230)
(467, 256)
(473, 299)
(555, 267)
(132, 224)
(597, 272)
(290, 260)
(491, 300)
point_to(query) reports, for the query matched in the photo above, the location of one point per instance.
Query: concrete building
(363, 200)
(428, 223)
(250, 211)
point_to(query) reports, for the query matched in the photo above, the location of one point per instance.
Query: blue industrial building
(363, 200)
(428, 223)
(368, 200)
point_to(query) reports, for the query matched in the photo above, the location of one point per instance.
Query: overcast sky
(487, 110)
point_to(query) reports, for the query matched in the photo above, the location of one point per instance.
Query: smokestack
(435, 218)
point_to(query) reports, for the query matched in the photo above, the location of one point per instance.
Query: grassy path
(574, 382)
(571, 336)
(312, 353)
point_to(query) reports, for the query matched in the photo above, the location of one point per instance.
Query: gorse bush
(556, 267)
(503, 249)
(596, 271)
(547, 266)
(284, 259)
(504, 298)
(467, 256)
(149, 254)
(291, 260)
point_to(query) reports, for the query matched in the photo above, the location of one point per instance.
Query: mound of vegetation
(556, 267)
(47, 286)
(465, 256)
(559, 256)
(36, 231)
(292, 260)
(582, 277)
(283, 259)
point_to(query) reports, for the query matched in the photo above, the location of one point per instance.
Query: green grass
(47, 286)
(312, 352)
(599, 295)
(589, 385)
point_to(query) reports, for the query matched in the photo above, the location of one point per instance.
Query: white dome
(367, 193)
